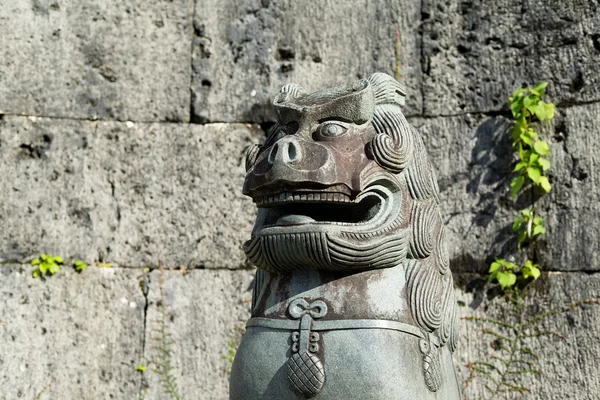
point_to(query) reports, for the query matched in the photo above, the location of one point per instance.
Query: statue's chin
(366, 233)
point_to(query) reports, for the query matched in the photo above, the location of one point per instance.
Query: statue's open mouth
(300, 207)
(297, 212)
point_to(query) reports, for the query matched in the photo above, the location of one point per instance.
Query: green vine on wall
(527, 109)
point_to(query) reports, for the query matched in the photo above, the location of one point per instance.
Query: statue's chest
(376, 294)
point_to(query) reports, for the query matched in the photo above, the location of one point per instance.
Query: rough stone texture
(208, 312)
(87, 59)
(570, 366)
(474, 159)
(136, 193)
(82, 330)
(128, 194)
(244, 51)
(475, 52)
(573, 207)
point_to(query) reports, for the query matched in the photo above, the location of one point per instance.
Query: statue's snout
(287, 151)
(292, 160)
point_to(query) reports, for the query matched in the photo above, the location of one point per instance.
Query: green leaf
(80, 265)
(35, 262)
(517, 94)
(516, 102)
(538, 220)
(520, 166)
(539, 89)
(44, 257)
(495, 266)
(541, 85)
(532, 134)
(545, 184)
(44, 267)
(36, 273)
(54, 268)
(526, 212)
(58, 259)
(541, 147)
(515, 108)
(531, 270)
(516, 185)
(529, 101)
(517, 224)
(544, 163)
(539, 230)
(532, 157)
(534, 174)
(549, 109)
(522, 238)
(506, 279)
(526, 138)
(141, 368)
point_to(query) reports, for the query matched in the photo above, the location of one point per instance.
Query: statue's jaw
(367, 233)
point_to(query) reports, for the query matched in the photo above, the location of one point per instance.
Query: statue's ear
(290, 91)
(387, 90)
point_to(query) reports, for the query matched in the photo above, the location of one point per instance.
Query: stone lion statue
(353, 296)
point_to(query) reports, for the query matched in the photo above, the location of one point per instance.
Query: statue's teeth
(289, 197)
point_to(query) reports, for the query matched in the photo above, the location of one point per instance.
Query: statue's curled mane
(398, 147)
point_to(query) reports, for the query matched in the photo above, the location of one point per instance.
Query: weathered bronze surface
(353, 298)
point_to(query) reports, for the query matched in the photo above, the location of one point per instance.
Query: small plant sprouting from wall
(79, 265)
(46, 264)
(163, 344)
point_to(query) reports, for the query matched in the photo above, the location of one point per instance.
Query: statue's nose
(287, 151)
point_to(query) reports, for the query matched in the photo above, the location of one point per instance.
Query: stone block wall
(122, 129)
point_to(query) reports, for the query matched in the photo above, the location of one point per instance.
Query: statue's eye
(332, 130)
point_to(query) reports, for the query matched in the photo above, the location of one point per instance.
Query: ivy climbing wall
(122, 129)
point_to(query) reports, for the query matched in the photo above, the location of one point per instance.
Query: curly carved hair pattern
(399, 148)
